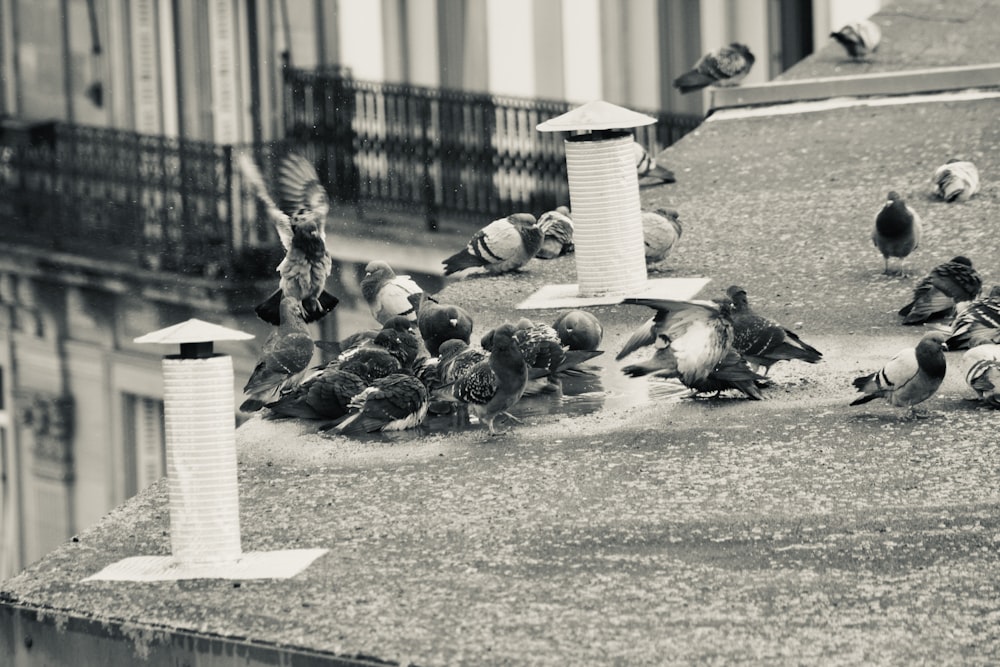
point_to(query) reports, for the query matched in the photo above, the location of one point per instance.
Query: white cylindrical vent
(201, 459)
(607, 220)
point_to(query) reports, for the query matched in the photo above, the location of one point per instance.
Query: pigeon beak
(944, 346)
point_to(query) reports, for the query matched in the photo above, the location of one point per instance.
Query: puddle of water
(599, 386)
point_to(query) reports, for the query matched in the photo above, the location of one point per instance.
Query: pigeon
(439, 322)
(324, 395)
(978, 323)
(504, 245)
(690, 337)
(645, 165)
(897, 231)
(912, 376)
(982, 373)
(543, 350)
(579, 330)
(728, 65)
(762, 341)
(455, 357)
(956, 180)
(491, 387)
(732, 372)
(938, 292)
(384, 355)
(388, 294)
(557, 233)
(306, 265)
(860, 38)
(284, 357)
(660, 230)
(393, 403)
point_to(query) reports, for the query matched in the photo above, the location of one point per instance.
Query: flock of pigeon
(421, 359)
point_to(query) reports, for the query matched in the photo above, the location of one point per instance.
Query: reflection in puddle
(595, 387)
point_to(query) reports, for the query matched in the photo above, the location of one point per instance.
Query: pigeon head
(744, 51)
(961, 259)
(379, 269)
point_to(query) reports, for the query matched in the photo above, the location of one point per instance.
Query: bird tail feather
(461, 261)
(691, 81)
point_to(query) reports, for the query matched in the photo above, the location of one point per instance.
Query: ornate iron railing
(438, 151)
(179, 205)
(156, 202)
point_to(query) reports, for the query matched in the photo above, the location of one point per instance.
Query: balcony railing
(438, 151)
(156, 202)
(179, 205)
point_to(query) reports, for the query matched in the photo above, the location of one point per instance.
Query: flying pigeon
(325, 394)
(579, 330)
(728, 65)
(506, 244)
(493, 386)
(439, 322)
(860, 38)
(284, 357)
(938, 292)
(393, 403)
(982, 373)
(977, 324)
(388, 294)
(912, 376)
(956, 180)
(690, 337)
(306, 265)
(660, 230)
(897, 231)
(557, 233)
(761, 340)
(645, 165)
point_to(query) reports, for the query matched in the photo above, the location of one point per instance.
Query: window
(145, 449)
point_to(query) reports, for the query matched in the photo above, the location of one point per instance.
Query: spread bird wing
(282, 223)
(299, 186)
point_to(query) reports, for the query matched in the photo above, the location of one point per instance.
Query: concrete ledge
(867, 85)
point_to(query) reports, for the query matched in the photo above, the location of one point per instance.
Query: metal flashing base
(251, 565)
(568, 296)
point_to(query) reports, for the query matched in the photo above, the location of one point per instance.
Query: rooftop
(794, 530)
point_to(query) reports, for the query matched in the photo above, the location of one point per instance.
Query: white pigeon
(956, 180)
(860, 38)
(388, 294)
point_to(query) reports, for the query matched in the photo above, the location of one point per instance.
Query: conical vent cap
(596, 115)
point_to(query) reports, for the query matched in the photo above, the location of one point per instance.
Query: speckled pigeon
(763, 341)
(727, 65)
(982, 373)
(393, 403)
(938, 292)
(978, 323)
